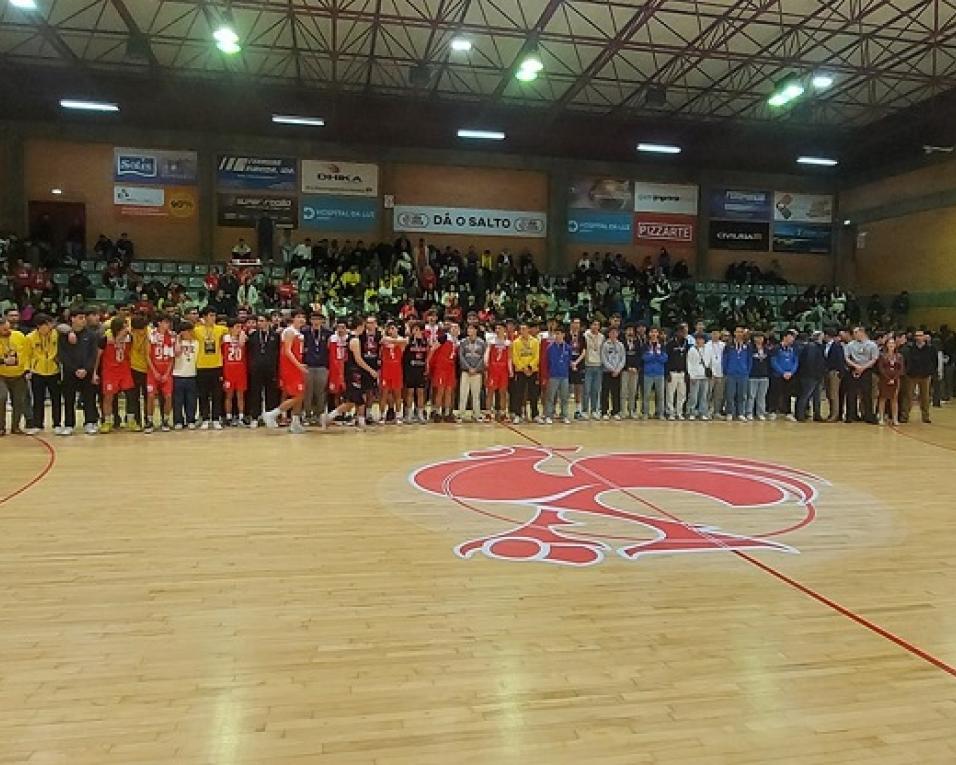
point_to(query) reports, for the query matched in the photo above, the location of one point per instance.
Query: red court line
(51, 461)
(808, 591)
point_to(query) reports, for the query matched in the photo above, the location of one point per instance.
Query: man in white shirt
(715, 347)
(302, 254)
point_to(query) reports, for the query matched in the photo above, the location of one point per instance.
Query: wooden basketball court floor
(254, 597)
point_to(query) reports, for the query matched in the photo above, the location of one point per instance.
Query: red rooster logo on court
(582, 486)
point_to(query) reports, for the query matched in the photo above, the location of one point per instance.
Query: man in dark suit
(813, 370)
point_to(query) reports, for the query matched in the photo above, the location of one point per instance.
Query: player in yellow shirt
(14, 358)
(139, 363)
(44, 369)
(526, 359)
(209, 335)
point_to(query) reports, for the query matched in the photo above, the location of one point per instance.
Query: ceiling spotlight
(291, 119)
(658, 148)
(531, 62)
(226, 39)
(786, 91)
(89, 106)
(821, 161)
(821, 81)
(848, 222)
(526, 75)
(24, 5)
(460, 44)
(488, 135)
(56, 192)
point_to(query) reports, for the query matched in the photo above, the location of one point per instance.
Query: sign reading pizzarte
(461, 220)
(667, 232)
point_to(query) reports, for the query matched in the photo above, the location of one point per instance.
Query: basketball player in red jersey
(235, 372)
(393, 348)
(116, 372)
(291, 376)
(338, 351)
(159, 374)
(441, 365)
(498, 364)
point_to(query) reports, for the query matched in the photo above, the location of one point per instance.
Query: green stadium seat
(184, 268)
(87, 265)
(196, 282)
(200, 269)
(61, 278)
(104, 294)
(278, 271)
(151, 268)
(169, 268)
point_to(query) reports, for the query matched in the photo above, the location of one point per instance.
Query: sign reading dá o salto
(463, 220)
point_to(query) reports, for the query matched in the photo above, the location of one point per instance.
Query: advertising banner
(739, 235)
(606, 194)
(463, 220)
(155, 166)
(591, 227)
(155, 202)
(740, 204)
(272, 173)
(802, 237)
(351, 179)
(802, 208)
(660, 227)
(666, 198)
(245, 209)
(357, 214)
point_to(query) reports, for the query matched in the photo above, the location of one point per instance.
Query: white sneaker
(31, 431)
(548, 421)
(595, 415)
(539, 419)
(205, 425)
(705, 417)
(191, 426)
(791, 418)
(729, 418)
(90, 429)
(254, 423)
(178, 426)
(584, 415)
(296, 428)
(617, 417)
(566, 420)
(271, 419)
(324, 420)
(66, 431)
(515, 420)
(216, 425)
(762, 417)
(691, 417)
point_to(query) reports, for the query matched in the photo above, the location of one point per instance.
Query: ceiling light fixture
(821, 161)
(226, 39)
(487, 135)
(848, 222)
(24, 5)
(291, 119)
(526, 75)
(531, 62)
(89, 106)
(56, 192)
(821, 81)
(460, 44)
(788, 89)
(658, 148)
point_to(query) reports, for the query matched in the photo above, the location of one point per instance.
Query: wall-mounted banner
(351, 179)
(159, 167)
(802, 208)
(739, 235)
(802, 237)
(738, 204)
(245, 209)
(273, 173)
(660, 227)
(357, 214)
(665, 198)
(592, 227)
(155, 202)
(607, 194)
(462, 220)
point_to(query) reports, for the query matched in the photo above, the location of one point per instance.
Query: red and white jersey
(499, 354)
(286, 366)
(338, 354)
(162, 351)
(392, 356)
(116, 355)
(234, 351)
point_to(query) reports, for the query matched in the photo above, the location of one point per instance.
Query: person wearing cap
(813, 369)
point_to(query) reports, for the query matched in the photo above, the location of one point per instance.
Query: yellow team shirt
(526, 354)
(210, 345)
(14, 354)
(42, 352)
(139, 350)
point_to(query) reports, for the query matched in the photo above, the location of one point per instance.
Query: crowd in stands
(522, 330)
